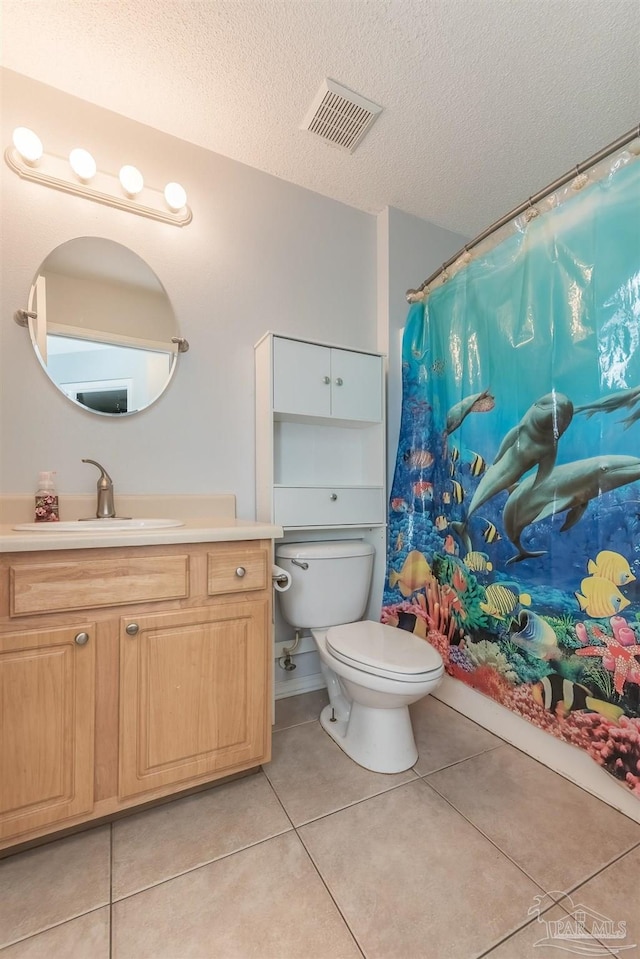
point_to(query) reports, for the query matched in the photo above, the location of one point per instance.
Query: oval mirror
(102, 326)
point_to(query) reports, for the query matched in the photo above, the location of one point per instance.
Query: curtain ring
(531, 213)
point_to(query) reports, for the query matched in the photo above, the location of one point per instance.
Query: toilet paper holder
(280, 578)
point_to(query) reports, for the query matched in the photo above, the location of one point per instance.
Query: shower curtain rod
(517, 211)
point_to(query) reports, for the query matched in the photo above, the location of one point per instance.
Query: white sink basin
(103, 525)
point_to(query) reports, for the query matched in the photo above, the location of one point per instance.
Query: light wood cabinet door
(47, 697)
(193, 697)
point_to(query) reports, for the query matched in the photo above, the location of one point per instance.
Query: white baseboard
(569, 761)
(301, 684)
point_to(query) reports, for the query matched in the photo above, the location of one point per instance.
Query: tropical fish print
(423, 489)
(459, 580)
(457, 492)
(446, 498)
(490, 533)
(562, 697)
(455, 454)
(399, 505)
(478, 562)
(414, 574)
(441, 522)
(600, 597)
(611, 566)
(418, 459)
(450, 546)
(501, 601)
(478, 465)
(535, 635)
(399, 541)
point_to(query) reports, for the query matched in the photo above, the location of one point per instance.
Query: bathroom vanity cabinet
(128, 674)
(319, 435)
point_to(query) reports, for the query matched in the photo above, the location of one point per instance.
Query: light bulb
(82, 164)
(176, 196)
(28, 145)
(131, 180)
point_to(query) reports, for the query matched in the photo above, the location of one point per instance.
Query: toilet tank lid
(330, 549)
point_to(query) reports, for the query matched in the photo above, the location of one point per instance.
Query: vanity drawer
(328, 506)
(237, 569)
(53, 587)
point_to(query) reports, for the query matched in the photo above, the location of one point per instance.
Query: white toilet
(373, 672)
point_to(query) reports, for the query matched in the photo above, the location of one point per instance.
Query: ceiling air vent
(340, 116)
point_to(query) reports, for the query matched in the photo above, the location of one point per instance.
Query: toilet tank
(334, 587)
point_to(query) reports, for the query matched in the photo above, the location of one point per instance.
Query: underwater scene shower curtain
(514, 520)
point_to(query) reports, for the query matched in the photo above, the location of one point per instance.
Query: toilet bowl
(373, 671)
(373, 674)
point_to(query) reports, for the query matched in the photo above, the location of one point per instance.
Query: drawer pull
(326, 380)
(82, 639)
(339, 381)
(333, 496)
(241, 571)
(132, 629)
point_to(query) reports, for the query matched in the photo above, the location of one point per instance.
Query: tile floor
(317, 858)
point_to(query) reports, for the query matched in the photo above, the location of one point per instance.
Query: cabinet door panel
(193, 694)
(47, 689)
(356, 386)
(301, 378)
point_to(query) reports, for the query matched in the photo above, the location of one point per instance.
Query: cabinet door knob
(82, 638)
(241, 571)
(326, 380)
(339, 381)
(132, 629)
(333, 496)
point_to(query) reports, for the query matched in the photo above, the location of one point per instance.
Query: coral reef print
(514, 516)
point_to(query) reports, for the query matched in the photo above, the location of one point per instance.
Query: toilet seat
(384, 651)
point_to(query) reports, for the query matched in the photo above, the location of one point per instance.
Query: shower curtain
(514, 519)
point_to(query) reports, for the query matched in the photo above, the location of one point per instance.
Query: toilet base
(378, 739)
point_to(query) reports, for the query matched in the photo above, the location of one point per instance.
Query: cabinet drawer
(328, 506)
(52, 587)
(224, 570)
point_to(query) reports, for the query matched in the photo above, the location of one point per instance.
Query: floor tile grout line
(458, 762)
(55, 925)
(521, 868)
(515, 932)
(488, 838)
(602, 869)
(203, 865)
(356, 802)
(330, 894)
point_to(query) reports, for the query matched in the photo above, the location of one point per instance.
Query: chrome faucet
(105, 508)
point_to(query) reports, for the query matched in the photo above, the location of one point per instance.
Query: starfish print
(623, 657)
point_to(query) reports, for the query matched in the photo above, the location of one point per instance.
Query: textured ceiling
(485, 101)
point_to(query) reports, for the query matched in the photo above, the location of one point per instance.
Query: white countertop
(214, 530)
(208, 518)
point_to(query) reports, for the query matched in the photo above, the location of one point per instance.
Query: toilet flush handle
(302, 565)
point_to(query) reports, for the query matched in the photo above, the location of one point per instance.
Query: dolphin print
(533, 441)
(633, 417)
(476, 403)
(569, 487)
(614, 401)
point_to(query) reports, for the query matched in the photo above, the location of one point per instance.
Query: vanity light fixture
(80, 176)
(28, 145)
(82, 164)
(131, 179)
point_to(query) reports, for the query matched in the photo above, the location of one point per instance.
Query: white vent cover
(340, 116)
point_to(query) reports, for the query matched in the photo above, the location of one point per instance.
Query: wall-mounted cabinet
(319, 435)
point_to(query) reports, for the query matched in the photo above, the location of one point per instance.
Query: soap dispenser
(46, 499)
